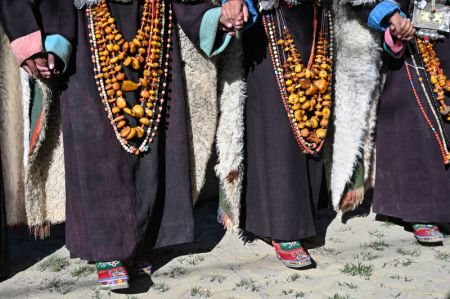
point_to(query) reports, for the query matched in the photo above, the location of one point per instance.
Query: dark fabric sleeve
(189, 17)
(57, 17)
(17, 18)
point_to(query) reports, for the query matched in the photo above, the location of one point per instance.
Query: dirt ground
(356, 256)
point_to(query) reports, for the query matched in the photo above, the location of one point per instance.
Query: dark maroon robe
(119, 204)
(282, 184)
(412, 182)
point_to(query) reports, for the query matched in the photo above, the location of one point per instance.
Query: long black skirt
(282, 184)
(118, 203)
(412, 182)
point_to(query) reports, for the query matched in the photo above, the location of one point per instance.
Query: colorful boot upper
(427, 233)
(292, 254)
(112, 275)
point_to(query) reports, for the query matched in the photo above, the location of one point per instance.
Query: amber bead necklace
(149, 53)
(439, 134)
(305, 91)
(436, 75)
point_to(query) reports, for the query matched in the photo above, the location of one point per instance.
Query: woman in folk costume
(124, 121)
(27, 46)
(288, 60)
(413, 132)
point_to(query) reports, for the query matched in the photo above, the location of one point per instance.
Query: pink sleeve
(397, 46)
(26, 46)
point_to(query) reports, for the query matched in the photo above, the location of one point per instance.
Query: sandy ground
(360, 257)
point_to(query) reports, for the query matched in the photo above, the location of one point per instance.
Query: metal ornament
(431, 19)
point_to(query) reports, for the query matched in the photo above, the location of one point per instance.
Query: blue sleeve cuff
(60, 46)
(378, 16)
(253, 12)
(208, 32)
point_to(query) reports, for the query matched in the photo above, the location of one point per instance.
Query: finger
(41, 64)
(27, 69)
(405, 25)
(51, 61)
(246, 14)
(33, 68)
(46, 74)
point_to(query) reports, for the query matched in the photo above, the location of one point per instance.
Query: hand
(234, 15)
(41, 65)
(401, 27)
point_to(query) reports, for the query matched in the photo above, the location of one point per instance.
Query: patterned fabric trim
(292, 254)
(427, 233)
(112, 275)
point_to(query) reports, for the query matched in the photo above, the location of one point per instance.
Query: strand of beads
(305, 91)
(437, 77)
(441, 142)
(111, 53)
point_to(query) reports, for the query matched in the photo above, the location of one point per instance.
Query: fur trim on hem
(226, 221)
(351, 200)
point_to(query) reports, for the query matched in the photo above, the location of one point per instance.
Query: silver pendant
(79, 4)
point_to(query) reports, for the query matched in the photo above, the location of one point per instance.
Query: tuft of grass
(376, 233)
(213, 278)
(293, 277)
(299, 294)
(336, 240)
(160, 287)
(96, 294)
(398, 277)
(339, 296)
(287, 292)
(247, 284)
(54, 263)
(82, 270)
(405, 263)
(328, 251)
(366, 256)
(378, 245)
(349, 285)
(176, 272)
(442, 256)
(191, 259)
(57, 285)
(407, 252)
(387, 224)
(200, 292)
(358, 269)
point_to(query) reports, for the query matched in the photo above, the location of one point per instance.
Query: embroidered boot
(292, 254)
(112, 275)
(427, 233)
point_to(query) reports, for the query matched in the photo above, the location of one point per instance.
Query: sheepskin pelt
(200, 76)
(11, 129)
(357, 86)
(356, 90)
